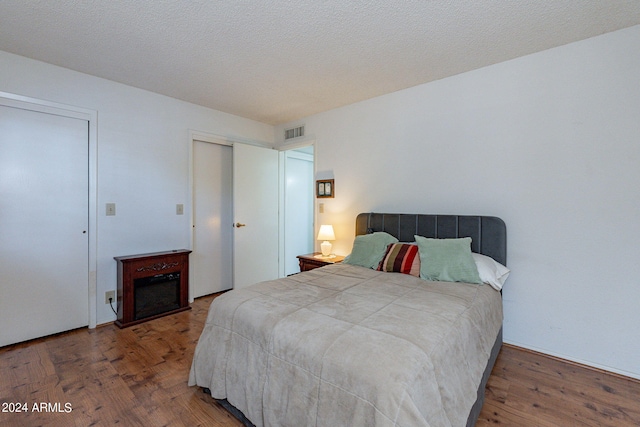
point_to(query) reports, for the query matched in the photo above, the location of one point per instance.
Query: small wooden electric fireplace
(152, 285)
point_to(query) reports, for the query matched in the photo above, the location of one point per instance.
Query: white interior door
(212, 256)
(255, 205)
(44, 213)
(298, 208)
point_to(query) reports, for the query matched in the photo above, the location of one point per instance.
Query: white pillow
(491, 272)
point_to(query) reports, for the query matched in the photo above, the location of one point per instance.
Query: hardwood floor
(138, 377)
(530, 389)
(131, 377)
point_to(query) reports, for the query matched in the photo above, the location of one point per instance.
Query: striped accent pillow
(401, 258)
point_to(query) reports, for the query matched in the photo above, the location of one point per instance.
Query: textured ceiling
(276, 61)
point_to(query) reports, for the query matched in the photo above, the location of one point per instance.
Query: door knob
(238, 225)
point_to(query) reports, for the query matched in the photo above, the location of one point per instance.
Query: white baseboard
(588, 364)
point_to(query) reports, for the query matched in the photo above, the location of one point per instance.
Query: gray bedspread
(348, 346)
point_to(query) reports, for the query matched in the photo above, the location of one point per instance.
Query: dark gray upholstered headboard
(488, 233)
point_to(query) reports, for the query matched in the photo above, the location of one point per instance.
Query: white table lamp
(326, 233)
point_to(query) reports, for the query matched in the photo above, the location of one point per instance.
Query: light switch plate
(111, 209)
(179, 209)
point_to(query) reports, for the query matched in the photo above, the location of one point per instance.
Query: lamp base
(326, 248)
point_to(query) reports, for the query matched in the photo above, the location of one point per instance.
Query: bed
(347, 345)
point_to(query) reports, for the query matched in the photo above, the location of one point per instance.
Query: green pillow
(369, 249)
(447, 260)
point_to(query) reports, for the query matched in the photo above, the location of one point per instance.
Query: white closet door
(212, 256)
(43, 224)
(255, 205)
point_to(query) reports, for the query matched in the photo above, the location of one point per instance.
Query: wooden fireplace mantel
(132, 267)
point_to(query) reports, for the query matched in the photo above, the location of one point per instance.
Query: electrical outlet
(109, 294)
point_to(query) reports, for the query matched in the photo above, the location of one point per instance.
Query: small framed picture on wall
(324, 188)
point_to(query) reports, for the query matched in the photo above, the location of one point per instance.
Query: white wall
(549, 142)
(143, 157)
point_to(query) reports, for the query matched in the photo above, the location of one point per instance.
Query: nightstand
(309, 261)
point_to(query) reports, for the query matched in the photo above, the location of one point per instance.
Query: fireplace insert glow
(156, 294)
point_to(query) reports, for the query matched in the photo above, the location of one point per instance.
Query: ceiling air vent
(293, 132)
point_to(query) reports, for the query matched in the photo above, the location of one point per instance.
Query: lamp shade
(326, 233)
